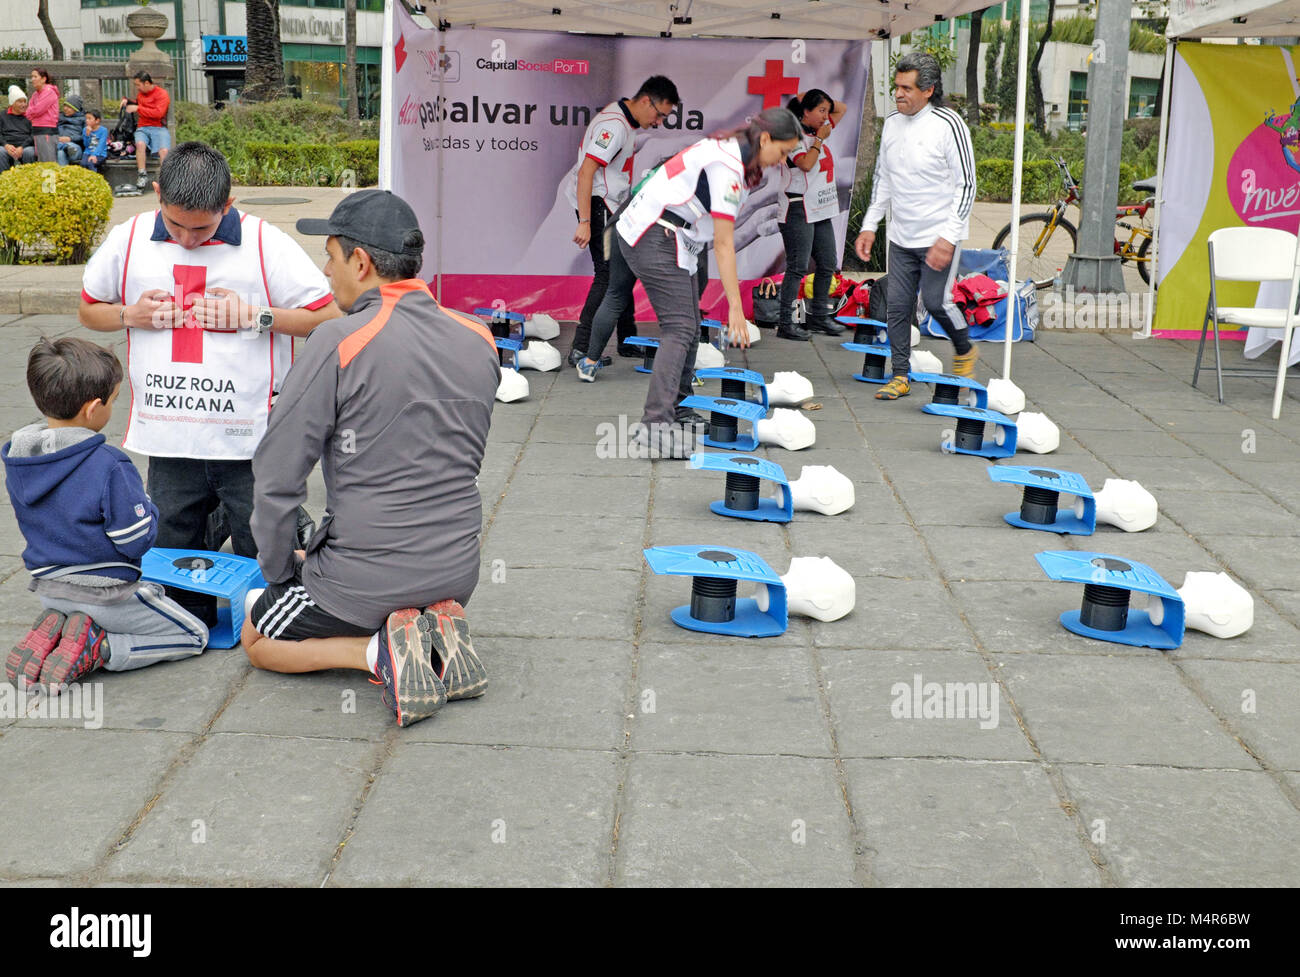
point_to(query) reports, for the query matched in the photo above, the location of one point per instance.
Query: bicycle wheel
(1143, 261)
(1044, 247)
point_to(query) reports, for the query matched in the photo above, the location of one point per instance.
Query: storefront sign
(222, 49)
(310, 27)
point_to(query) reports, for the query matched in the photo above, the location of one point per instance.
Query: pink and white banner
(485, 124)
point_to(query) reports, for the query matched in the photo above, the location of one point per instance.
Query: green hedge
(1039, 183)
(354, 162)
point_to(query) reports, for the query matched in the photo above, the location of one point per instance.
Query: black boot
(821, 317)
(797, 333)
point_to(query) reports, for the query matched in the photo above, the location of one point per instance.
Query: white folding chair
(1251, 254)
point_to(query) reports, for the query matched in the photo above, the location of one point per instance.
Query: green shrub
(354, 162)
(1040, 181)
(50, 212)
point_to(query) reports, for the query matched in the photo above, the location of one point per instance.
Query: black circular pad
(717, 556)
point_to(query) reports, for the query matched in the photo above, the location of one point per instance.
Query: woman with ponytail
(687, 203)
(811, 200)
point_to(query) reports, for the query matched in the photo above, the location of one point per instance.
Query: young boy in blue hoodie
(87, 521)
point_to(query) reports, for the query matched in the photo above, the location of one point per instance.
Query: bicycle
(1048, 252)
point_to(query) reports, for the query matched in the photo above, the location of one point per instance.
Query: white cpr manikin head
(787, 428)
(538, 355)
(1036, 433)
(923, 361)
(788, 390)
(820, 488)
(512, 387)
(754, 333)
(708, 356)
(1125, 504)
(815, 587)
(1215, 603)
(541, 326)
(1005, 397)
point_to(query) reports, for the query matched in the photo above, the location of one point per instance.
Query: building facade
(207, 43)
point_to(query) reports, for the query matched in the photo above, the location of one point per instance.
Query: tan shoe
(963, 364)
(895, 388)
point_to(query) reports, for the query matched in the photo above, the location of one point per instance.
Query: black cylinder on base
(1039, 505)
(970, 433)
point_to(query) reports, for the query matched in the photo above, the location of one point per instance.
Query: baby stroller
(121, 145)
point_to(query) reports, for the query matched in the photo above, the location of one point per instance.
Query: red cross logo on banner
(399, 54)
(772, 84)
(827, 165)
(187, 339)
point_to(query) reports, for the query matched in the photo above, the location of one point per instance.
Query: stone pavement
(614, 748)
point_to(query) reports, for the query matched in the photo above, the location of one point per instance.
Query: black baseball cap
(379, 218)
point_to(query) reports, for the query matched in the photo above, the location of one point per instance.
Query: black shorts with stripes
(286, 611)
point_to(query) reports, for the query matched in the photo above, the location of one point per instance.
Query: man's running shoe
(80, 651)
(963, 364)
(895, 388)
(586, 370)
(690, 419)
(24, 661)
(411, 687)
(454, 657)
(576, 356)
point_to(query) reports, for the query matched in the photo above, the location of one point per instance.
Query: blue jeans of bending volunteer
(909, 273)
(675, 299)
(804, 241)
(143, 629)
(186, 491)
(602, 266)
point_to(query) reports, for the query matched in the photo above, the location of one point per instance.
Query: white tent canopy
(1234, 18)
(832, 19)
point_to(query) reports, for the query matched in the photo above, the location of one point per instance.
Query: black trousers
(804, 241)
(909, 273)
(599, 284)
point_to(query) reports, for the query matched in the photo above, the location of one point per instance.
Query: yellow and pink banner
(1232, 160)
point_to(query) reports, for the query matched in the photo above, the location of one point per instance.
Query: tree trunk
(43, 15)
(264, 72)
(350, 53)
(1040, 110)
(973, 69)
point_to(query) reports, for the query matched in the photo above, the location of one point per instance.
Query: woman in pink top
(43, 113)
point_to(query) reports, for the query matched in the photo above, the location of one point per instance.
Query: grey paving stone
(510, 427)
(548, 603)
(1258, 700)
(1116, 710)
(1156, 476)
(965, 823)
(553, 459)
(993, 553)
(706, 700)
(81, 786)
(336, 704)
(1116, 420)
(1240, 513)
(874, 551)
(1153, 443)
(1168, 827)
(895, 614)
(483, 816)
(1270, 638)
(522, 540)
(577, 496)
(1255, 562)
(559, 693)
(698, 821)
(267, 823)
(856, 464)
(883, 704)
(181, 696)
(1164, 547)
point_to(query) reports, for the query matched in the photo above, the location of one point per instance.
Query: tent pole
(387, 123)
(1148, 313)
(1017, 174)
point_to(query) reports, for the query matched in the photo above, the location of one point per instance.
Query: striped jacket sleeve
(961, 164)
(130, 518)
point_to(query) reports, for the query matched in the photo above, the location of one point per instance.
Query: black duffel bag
(767, 303)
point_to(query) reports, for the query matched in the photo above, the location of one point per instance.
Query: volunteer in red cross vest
(687, 203)
(925, 178)
(210, 299)
(811, 199)
(394, 401)
(599, 183)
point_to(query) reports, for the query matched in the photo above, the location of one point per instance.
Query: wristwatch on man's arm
(263, 320)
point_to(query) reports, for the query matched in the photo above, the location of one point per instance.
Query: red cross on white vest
(827, 165)
(772, 84)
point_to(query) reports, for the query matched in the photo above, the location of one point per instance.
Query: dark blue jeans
(804, 241)
(187, 491)
(601, 266)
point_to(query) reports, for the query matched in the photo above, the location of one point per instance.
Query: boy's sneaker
(142, 179)
(963, 364)
(80, 651)
(586, 370)
(411, 687)
(24, 661)
(454, 658)
(895, 388)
